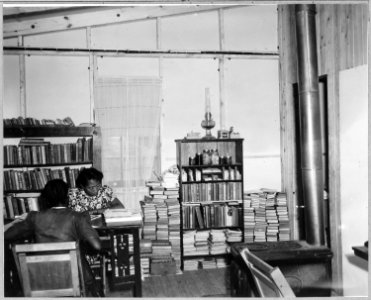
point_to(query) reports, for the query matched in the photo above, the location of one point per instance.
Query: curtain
(128, 110)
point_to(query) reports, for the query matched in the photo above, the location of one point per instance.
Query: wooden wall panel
(287, 69)
(342, 44)
(351, 27)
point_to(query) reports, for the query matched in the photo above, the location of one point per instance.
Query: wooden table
(307, 268)
(361, 251)
(120, 255)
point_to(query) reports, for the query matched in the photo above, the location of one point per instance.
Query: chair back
(49, 269)
(269, 281)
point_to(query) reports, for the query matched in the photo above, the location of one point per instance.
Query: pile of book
(208, 263)
(217, 241)
(248, 220)
(190, 264)
(173, 209)
(201, 242)
(149, 220)
(145, 256)
(266, 216)
(283, 217)
(233, 235)
(189, 247)
(162, 262)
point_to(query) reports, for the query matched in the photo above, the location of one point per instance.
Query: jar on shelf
(206, 157)
(214, 157)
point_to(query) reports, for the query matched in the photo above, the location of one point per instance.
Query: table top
(361, 251)
(293, 250)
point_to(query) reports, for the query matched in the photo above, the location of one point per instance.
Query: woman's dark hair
(54, 194)
(87, 174)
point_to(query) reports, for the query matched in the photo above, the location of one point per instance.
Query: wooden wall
(342, 44)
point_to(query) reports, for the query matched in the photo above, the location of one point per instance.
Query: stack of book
(233, 236)
(162, 228)
(217, 242)
(208, 263)
(271, 216)
(283, 217)
(149, 220)
(145, 256)
(189, 247)
(221, 262)
(202, 243)
(190, 264)
(260, 220)
(173, 209)
(266, 214)
(162, 262)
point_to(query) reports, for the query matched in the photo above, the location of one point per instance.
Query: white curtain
(128, 110)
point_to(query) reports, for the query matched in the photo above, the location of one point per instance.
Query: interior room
(231, 139)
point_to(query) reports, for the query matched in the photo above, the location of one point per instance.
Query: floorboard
(200, 283)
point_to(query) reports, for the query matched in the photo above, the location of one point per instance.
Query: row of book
(39, 152)
(209, 242)
(36, 179)
(266, 217)
(211, 174)
(207, 215)
(21, 121)
(213, 191)
(16, 205)
(205, 263)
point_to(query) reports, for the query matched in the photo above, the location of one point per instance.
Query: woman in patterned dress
(90, 195)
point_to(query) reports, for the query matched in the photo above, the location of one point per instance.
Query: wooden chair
(50, 269)
(268, 281)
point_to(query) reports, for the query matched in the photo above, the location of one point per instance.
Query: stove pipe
(310, 127)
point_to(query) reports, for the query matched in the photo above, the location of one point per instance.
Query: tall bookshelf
(211, 193)
(35, 154)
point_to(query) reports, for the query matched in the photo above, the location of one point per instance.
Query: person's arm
(20, 229)
(116, 203)
(87, 233)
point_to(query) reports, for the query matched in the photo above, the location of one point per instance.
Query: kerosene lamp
(208, 123)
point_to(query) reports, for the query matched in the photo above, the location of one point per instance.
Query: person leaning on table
(90, 195)
(58, 223)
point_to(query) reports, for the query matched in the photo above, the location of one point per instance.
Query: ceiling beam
(21, 25)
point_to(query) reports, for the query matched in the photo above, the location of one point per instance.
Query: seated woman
(58, 223)
(90, 195)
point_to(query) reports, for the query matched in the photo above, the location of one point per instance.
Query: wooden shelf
(50, 131)
(48, 165)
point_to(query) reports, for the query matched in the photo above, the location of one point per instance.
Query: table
(307, 268)
(120, 255)
(361, 251)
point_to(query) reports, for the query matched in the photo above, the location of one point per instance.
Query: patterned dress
(80, 201)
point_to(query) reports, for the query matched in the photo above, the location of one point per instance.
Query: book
(118, 217)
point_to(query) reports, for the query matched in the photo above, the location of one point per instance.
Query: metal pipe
(310, 126)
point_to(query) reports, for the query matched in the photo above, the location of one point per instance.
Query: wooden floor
(200, 283)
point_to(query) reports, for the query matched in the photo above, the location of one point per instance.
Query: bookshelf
(36, 154)
(211, 193)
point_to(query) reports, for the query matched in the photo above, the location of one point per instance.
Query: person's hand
(21, 217)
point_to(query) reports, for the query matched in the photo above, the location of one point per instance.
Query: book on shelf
(18, 204)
